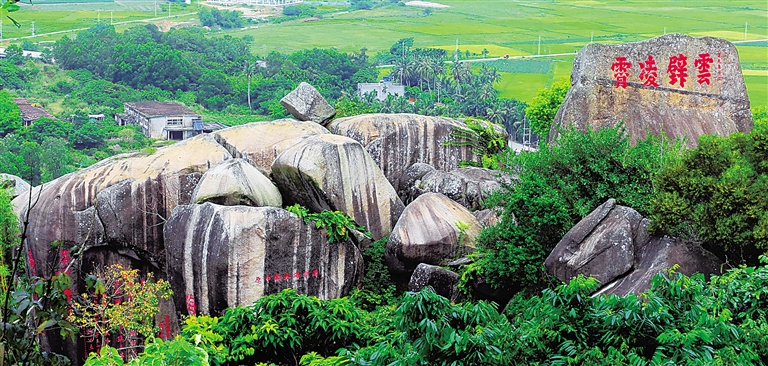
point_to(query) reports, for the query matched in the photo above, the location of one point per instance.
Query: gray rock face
(225, 256)
(306, 104)
(16, 185)
(467, 186)
(614, 83)
(428, 232)
(235, 182)
(132, 196)
(489, 217)
(260, 143)
(397, 141)
(116, 209)
(444, 282)
(331, 172)
(612, 244)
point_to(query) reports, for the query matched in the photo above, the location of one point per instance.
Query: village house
(165, 120)
(30, 112)
(383, 88)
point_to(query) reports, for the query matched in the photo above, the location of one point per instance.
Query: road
(114, 23)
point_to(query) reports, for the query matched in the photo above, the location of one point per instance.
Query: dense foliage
(717, 193)
(556, 187)
(541, 112)
(226, 19)
(434, 89)
(217, 73)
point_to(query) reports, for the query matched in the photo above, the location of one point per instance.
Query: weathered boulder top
(681, 85)
(15, 184)
(306, 104)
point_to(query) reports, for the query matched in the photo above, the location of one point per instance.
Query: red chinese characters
(678, 70)
(620, 70)
(702, 65)
(649, 74)
(191, 306)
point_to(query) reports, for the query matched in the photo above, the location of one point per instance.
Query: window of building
(174, 121)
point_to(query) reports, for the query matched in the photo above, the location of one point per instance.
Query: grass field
(513, 27)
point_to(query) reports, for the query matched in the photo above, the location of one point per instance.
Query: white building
(382, 89)
(164, 120)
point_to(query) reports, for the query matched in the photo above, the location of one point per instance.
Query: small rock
(444, 282)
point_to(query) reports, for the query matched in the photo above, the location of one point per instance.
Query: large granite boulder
(467, 186)
(14, 184)
(431, 230)
(260, 143)
(306, 104)
(225, 256)
(235, 182)
(331, 172)
(444, 282)
(132, 195)
(612, 244)
(397, 141)
(115, 211)
(675, 84)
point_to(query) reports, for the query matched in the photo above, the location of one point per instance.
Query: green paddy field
(503, 27)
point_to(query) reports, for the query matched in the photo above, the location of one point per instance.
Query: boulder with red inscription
(226, 256)
(674, 84)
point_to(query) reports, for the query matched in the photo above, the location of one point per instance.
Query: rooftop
(30, 112)
(158, 109)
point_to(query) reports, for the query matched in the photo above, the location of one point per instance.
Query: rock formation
(467, 186)
(260, 143)
(225, 256)
(431, 230)
(235, 182)
(16, 185)
(444, 282)
(397, 141)
(612, 245)
(331, 172)
(306, 104)
(677, 84)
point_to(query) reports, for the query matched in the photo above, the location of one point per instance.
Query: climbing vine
(336, 223)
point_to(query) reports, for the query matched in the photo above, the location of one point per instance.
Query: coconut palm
(249, 69)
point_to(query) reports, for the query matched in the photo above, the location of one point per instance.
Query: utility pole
(111, 18)
(665, 30)
(169, 9)
(745, 30)
(592, 37)
(33, 29)
(98, 16)
(155, 8)
(539, 45)
(456, 53)
(402, 72)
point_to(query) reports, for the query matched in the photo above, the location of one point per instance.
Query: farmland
(511, 27)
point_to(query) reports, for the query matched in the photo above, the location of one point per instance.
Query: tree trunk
(249, 93)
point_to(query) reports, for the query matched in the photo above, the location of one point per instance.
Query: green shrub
(336, 223)
(556, 187)
(717, 193)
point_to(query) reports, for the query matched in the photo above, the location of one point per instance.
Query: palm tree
(249, 68)
(404, 70)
